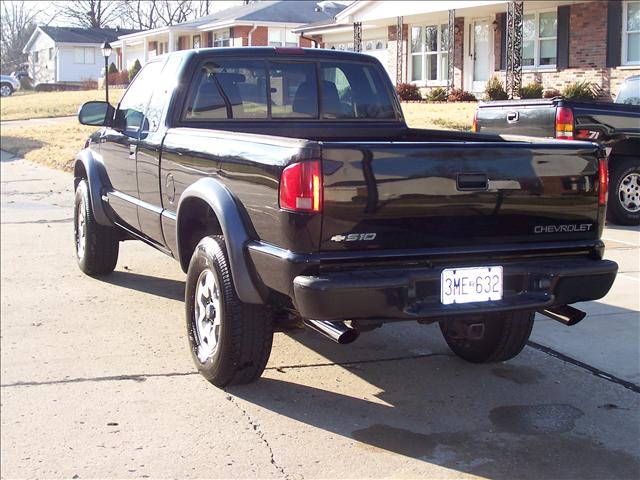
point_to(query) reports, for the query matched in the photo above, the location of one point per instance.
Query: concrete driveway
(97, 380)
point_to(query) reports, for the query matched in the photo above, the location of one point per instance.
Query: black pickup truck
(616, 126)
(290, 189)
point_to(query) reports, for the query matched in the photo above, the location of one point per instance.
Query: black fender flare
(98, 184)
(234, 229)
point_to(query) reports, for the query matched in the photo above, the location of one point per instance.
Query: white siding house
(68, 55)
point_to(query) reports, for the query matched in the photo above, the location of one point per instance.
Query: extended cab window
(131, 109)
(294, 90)
(353, 90)
(228, 89)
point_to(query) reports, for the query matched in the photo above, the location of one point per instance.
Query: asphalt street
(97, 380)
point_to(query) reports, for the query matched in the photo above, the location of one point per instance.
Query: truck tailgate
(394, 195)
(535, 118)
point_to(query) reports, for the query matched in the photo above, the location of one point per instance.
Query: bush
(551, 93)
(135, 69)
(89, 84)
(459, 95)
(533, 90)
(119, 78)
(438, 94)
(578, 91)
(494, 90)
(113, 68)
(408, 91)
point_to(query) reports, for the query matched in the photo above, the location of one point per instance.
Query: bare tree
(18, 23)
(90, 13)
(146, 14)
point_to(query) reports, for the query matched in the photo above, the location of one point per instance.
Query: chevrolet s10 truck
(290, 189)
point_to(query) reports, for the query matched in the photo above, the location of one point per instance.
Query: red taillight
(301, 187)
(564, 123)
(603, 175)
(474, 125)
(289, 50)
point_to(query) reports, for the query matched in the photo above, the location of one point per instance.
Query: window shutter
(502, 22)
(614, 33)
(562, 42)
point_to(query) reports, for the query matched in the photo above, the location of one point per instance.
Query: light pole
(106, 52)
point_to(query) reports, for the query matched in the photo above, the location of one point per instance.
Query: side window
(353, 90)
(130, 111)
(228, 89)
(161, 94)
(294, 90)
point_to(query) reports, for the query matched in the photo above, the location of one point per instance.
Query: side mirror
(96, 113)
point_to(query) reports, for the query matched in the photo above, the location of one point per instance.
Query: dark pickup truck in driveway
(291, 191)
(616, 126)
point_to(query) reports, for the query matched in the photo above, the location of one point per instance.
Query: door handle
(513, 117)
(132, 151)
(472, 182)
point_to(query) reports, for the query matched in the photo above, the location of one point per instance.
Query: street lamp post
(106, 52)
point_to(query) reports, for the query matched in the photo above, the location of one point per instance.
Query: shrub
(119, 78)
(135, 69)
(551, 93)
(408, 91)
(89, 84)
(494, 89)
(578, 91)
(533, 90)
(438, 94)
(113, 68)
(459, 95)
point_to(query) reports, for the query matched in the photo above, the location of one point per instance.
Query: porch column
(357, 36)
(451, 55)
(145, 49)
(514, 49)
(172, 41)
(399, 52)
(123, 65)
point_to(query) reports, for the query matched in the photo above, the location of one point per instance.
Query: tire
(230, 341)
(97, 246)
(624, 191)
(505, 335)
(6, 89)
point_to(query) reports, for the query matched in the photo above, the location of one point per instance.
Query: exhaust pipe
(336, 331)
(564, 314)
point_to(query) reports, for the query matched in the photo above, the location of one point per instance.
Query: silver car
(8, 85)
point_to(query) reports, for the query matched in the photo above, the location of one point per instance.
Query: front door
(481, 54)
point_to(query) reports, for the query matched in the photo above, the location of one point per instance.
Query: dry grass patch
(447, 116)
(50, 104)
(52, 145)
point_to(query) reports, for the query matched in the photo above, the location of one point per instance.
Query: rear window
(248, 89)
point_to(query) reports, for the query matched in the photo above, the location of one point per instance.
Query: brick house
(256, 24)
(562, 41)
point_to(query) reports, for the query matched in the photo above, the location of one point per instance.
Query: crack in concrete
(261, 435)
(28, 222)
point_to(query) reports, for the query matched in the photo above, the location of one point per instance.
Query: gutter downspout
(315, 42)
(250, 34)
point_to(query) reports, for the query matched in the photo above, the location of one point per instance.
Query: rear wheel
(6, 90)
(624, 191)
(230, 340)
(491, 338)
(97, 246)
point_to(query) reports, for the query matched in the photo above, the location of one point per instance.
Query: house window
(221, 39)
(429, 53)
(51, 54)
(539, 32)
(631, 33)
(196, 41)
(378, 44)
(84, 55)
(282, 37)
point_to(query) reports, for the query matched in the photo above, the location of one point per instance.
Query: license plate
(474, 284)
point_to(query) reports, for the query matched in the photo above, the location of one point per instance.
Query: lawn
(26, 104)
(52, 145)
(56, 145)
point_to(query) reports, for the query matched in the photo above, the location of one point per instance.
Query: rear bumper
(414, 293)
